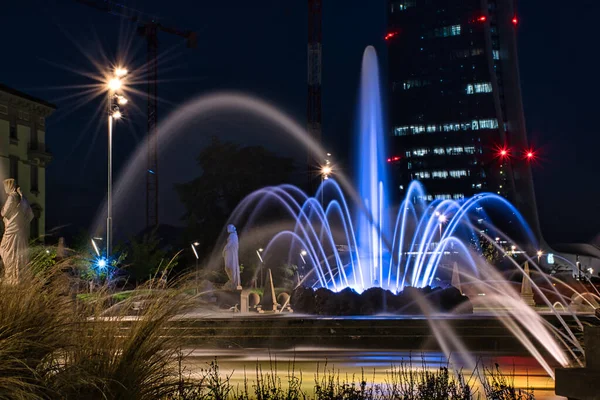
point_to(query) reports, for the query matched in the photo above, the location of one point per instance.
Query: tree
(229, 173)
(145, 256)
(482, 246)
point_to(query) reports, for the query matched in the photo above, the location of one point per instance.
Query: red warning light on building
(390, 35)
(483, 18)
(515, 20)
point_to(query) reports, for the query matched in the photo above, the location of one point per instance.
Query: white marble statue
(17, 215)
(231, 258)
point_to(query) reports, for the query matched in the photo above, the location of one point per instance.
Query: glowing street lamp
(539, 255)
(113, 99)
(194, 245)
(442, 220)
(260, 268)
(303, 254)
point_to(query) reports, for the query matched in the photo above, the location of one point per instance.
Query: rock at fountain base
(582, 383)
(577, 383)
(412, 301)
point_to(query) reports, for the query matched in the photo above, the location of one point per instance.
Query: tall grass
(402, 382)
(55, 346)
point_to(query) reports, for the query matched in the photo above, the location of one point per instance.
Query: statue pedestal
(528, 299)
(244, 306)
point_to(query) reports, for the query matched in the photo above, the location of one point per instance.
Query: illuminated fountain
(371, 247)
(353, 238)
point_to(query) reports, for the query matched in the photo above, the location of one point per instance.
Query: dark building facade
(455, 102)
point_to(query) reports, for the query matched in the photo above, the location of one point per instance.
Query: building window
(446, 31)
(34, 227)
(3, 109)
(422, 175)
(403, 5)
(443, 197)
(454, 150)
(439, 151)
(449, 127)
(439, 174)
(470, 149)
(458, 196)
(474, 88)
(34, 179)
(488, 124)
(401, 131)
(14, 168)
(458, 173)
(24, 115)
(13, 132)
(420, 152)
(496, 54)
(42, 121)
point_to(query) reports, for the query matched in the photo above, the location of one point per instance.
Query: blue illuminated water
(371, 173)
(348, 235)
(364, 245)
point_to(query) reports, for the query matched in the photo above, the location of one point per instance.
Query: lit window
(420, 152)
(454, 151)
(470, 149)
(439, 174)
(422, 175)
(488, 123)
(496, 54)
(485, 87)
(401, 131)
(458, 196)
(439, 151)
(458, 173)
(443, 197)
(431, 128)
(413, 83)
(446, 31)
(417, 129)
(476, 52)
(404, 5)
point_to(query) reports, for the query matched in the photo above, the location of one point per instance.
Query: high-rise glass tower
(455, 109)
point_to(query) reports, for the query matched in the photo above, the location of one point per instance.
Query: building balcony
(39, 151)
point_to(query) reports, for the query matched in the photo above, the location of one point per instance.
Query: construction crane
(313, 109)
(148, 27)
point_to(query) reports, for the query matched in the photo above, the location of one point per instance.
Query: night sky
(50, 47)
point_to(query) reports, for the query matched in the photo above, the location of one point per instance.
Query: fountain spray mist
(371, 171)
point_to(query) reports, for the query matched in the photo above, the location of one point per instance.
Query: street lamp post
(113, 113)
(194, 245)
(260, 268)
